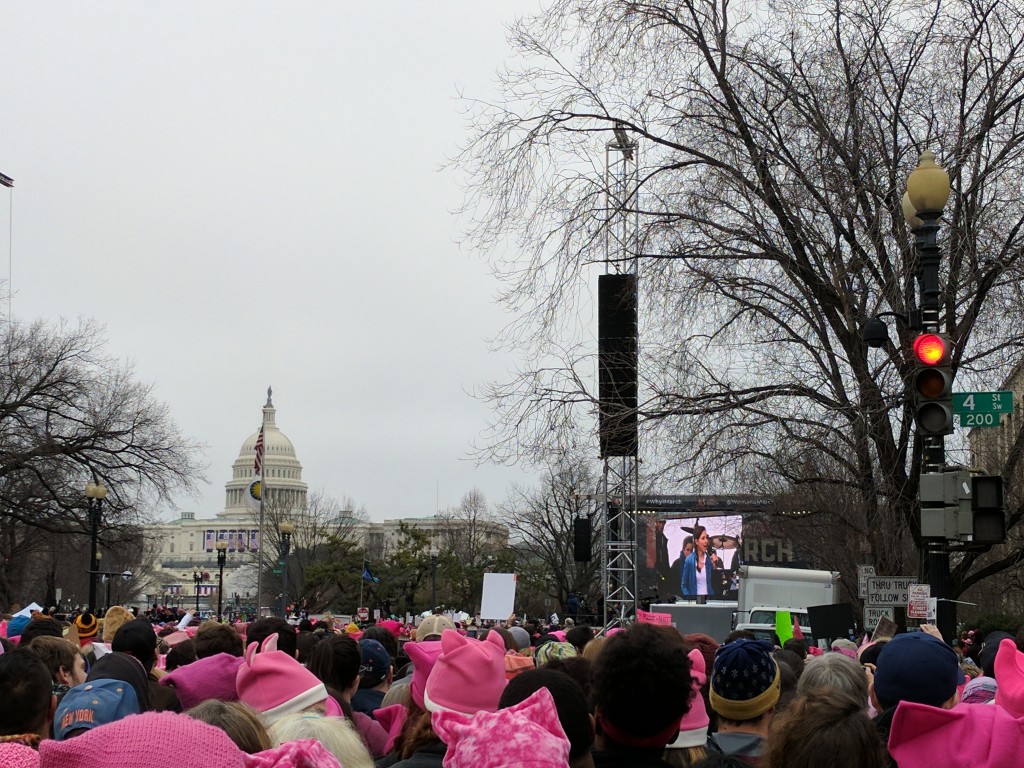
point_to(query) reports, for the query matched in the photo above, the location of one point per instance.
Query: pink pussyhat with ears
(526, 735)
(423, 656)
(979, 736)
(469, 676)
(693, 728)
(276, 684)
(1010, 678)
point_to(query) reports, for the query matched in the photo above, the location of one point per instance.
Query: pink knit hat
(930, 737)
(526, 735)
(391, 718)
(212, 677)
(392, 626)
(1010, 678)
(18, 755)
(693, 728)
(274, 683)
(423, 656)
(469, 676)
(145, 741)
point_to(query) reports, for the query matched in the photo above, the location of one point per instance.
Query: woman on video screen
(699, 565)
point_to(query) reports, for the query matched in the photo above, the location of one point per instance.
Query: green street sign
(982, 409)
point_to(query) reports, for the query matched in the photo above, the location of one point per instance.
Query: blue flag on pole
(368, 575)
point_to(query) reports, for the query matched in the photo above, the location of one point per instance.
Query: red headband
(654, 741)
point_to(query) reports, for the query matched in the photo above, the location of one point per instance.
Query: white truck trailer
(764, 591)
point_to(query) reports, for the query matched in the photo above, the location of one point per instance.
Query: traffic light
(932, 381)
(987, 508)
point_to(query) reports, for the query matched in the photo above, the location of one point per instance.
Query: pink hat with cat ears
(469, 676)
(526, 735)
(275, 684)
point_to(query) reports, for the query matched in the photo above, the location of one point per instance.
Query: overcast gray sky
(247, 194)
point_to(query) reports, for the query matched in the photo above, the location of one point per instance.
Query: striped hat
(87, 626)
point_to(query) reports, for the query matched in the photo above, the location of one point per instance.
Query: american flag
(258, 466)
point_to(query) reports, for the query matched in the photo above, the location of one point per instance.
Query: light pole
(95, 493)
(99, 574)
(433, 578)
(222, 557)
(286, 530)
(926, 197)
(197, 577)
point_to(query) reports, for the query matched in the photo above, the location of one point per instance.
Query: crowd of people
(126, 691)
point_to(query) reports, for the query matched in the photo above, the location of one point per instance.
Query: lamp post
(222, 557)
(923, 204)
(99, 574)
(95, 493)
(197, 577)
(286, 530)
(433, 578)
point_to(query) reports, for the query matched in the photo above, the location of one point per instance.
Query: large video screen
(692, 557)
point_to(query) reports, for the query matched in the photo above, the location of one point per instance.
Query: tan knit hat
(434, 624)
(113, 619)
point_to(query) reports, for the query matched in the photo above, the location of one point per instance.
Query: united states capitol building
(189, 545)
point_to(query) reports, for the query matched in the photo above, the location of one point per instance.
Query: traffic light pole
(933, 449)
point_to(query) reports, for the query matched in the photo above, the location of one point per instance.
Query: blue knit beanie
(746, 681)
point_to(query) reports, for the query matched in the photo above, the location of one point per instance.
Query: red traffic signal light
(932, 389)
(931, 349)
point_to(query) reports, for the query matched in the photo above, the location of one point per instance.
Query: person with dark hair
(699, 578)
(127, 669)
(305, 642)
(641, 690)
(797, 646)
(579, 636)
(136, 638)
(829, 724)
(576, 667)
(791, 660)
(27, 703)
(570, 701)
(180, 655)
(739, 634)
(212, 638)
(261, 629)
(43, 626)
(506, 637)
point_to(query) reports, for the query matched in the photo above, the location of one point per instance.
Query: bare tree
(773, 152)
(70, 414)
(324, 530)
(470, 544)
(540, 522)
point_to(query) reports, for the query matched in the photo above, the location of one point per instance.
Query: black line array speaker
(617, 361)
(581, 539)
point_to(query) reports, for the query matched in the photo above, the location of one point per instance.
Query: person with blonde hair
(237, 720)
(337, 734)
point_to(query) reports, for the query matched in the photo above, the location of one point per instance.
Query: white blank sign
(499, 598)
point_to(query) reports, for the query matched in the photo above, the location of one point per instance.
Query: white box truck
(764, 590)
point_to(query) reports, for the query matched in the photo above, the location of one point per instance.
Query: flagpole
(263, 496)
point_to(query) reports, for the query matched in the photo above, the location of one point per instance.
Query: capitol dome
(282, 471)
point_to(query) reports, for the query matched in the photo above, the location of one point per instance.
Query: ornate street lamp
(433, 578)
(286, 530)
(222, 557)
(95, 493)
